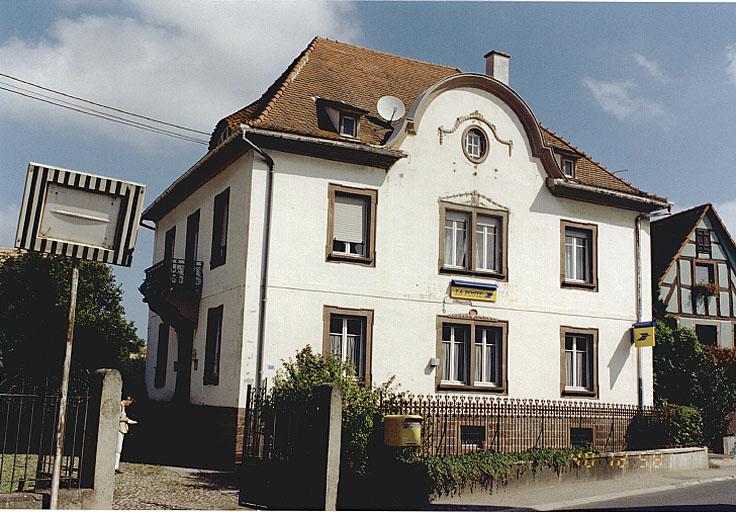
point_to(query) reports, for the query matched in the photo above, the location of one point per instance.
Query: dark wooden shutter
(212, 346)
(162, 355)
(219, 229)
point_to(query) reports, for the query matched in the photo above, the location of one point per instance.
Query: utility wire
(113, 119)
(105, 106)
(60, 103)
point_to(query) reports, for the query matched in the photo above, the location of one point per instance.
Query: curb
(626, 494)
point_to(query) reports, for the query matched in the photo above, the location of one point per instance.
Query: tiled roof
(668, 236)
(359, 77)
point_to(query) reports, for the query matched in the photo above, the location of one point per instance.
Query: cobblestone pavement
(143, 486)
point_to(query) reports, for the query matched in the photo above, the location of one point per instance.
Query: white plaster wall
(405, 289)
(223, 285)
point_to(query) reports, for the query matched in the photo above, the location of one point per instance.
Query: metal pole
(61, 423)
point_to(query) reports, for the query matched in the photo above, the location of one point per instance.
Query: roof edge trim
(357, 146)
(571, 190)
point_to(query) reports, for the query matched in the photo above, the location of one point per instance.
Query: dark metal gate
(28, 416)
(281, 443)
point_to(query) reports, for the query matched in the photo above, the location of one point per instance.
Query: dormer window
(568, 167)
(339, 117)
(348, 125)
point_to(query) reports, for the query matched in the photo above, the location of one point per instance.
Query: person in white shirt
(125, 423)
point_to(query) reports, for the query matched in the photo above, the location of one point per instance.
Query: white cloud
(8, 224)
(619, 99)
(731, 62)
(650, 66)
(188, 63)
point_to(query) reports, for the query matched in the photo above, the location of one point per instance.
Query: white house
(316, 221)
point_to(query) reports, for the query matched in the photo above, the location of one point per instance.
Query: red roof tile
(359, 77)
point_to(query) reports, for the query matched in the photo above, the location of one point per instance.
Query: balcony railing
(174, 278)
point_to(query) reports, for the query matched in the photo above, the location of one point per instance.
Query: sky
(646, 89)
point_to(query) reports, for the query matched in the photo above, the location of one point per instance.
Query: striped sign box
(79, 215)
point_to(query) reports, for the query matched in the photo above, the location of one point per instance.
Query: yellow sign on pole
(473, 291)
(643, 334)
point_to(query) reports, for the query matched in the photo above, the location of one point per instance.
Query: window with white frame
(351, 224)
(579, 368)
(456, 239)
(487, 243)
(487, 349)
(475, 144)
(348, 337)
(577, 362)
(473, 240)
(568, 167)
(579, 254)
(455, 341)
(348, 125)
(472, 354)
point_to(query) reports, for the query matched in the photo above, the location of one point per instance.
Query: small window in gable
(348, 125)
(475, 144)
(702, 241)
(568, 167)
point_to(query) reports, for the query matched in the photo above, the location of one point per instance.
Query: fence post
(101, 432)
(330, 405)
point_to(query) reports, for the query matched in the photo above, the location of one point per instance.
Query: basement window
(472, 436)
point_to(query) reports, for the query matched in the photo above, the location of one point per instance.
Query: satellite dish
(390, 108)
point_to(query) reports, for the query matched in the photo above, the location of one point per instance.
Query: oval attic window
(475, 144)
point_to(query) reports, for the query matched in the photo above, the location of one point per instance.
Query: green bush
(361, 411)
(451, 474)
(668, 426)
(685, 426)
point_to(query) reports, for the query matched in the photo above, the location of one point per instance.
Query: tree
(34, 304)
(687, 374)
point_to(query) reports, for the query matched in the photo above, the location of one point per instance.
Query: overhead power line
(104, 106)
(99, 113)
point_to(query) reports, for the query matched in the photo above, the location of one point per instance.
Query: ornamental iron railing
(173, 277)
(459, 424)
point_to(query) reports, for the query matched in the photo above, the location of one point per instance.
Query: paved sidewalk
(572, 495)
(145, 486)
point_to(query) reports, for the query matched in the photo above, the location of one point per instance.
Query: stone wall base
(598, 467)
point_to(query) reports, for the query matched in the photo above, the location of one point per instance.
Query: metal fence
(454, 424)
(28, 418)
(277, 428)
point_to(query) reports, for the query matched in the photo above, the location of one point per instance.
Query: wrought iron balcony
(173, 278)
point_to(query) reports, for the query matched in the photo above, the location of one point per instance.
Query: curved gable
(494, 87)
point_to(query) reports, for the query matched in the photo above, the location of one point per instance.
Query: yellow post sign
(473, 291)
(643, 334)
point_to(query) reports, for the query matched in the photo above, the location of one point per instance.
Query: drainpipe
(637, 248)
(639, 300)
(265, 251)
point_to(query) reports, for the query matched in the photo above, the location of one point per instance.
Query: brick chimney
(497, 65)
